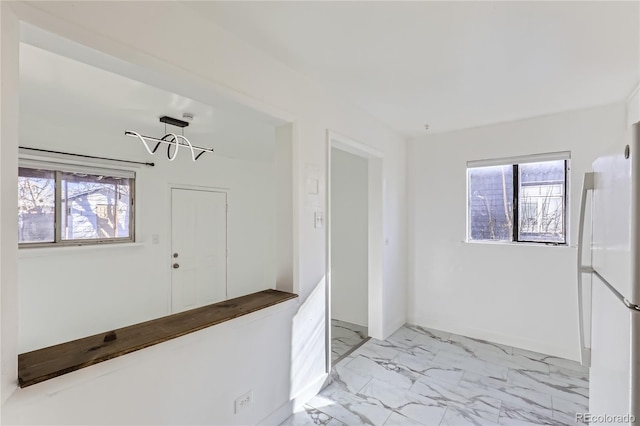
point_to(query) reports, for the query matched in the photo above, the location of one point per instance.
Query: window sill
(53, 361)
(65, 249)
(511, 243)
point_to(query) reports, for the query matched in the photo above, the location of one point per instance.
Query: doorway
(354, 248)
(198, 248)
(349, 252)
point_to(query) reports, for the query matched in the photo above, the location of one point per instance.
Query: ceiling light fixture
(171, 139)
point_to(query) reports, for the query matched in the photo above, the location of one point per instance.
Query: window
(518, 199)
(73, 205)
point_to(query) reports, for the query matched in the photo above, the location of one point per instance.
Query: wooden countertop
(47, 363)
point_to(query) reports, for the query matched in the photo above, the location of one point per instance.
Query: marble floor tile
(565, 363)
(478, 344)
(521, 396)
(436, 344)
(530, 354)
(456, 416)
(436, 334)
(417, 346)
(475, 404)
(495, 347)
(428, 377)
(567, 410)
(552, 386)
(388, 372)
(344, 337)
(426, 414)
(513, 361)
(513, 415)
(377, 350)
(473, 364)
(402, 334)
(422, 364)
(567, 372)
(397, 419)
(349, 408)
(564, 366)
(347, 379)
(310, 416)
(398, 399)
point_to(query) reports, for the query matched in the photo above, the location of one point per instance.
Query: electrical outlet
(243, 401)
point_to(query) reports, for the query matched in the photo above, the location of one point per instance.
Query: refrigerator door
(616, 198)
(611, 377)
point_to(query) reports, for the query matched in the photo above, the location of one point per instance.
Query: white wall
(349, 237)
(114, 286)
(633, 107)
(153, 36)
(520, 295)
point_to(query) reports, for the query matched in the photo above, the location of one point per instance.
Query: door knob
(176, 266)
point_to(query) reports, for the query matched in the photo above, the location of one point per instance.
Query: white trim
(73, 250)
(75, 167)
(52, 157)
(531, 158)
(351, 146)
(516, 243)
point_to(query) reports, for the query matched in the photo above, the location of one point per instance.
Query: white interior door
(198, 248)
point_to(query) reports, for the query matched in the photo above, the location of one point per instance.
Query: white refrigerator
(609, 282)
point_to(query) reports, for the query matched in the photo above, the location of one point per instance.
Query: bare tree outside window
(91, 207)
(36, 205)
(537, 190)
(490, 203)
(541, 201)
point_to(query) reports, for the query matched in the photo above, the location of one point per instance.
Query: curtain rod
(87, 156)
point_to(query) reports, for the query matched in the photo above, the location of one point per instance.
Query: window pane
(490, 203)
(95, 207)
(36, 205)
(541, 207)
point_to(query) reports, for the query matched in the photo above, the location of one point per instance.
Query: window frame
(58, 170)
(514, 162)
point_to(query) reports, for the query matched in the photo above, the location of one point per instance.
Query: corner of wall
(9, 39)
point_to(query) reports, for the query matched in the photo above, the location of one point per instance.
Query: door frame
(188, 187)
(375, 224)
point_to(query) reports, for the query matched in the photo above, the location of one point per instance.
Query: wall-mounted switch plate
(318, 220)
(155, 239)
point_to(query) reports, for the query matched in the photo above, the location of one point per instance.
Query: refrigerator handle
(585, 352)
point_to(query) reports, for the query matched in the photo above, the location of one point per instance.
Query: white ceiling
(449, 64)
(57, 92)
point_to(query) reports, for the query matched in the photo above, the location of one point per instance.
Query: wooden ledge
(47, 363)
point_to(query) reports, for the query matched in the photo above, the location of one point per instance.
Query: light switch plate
(318, 220)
